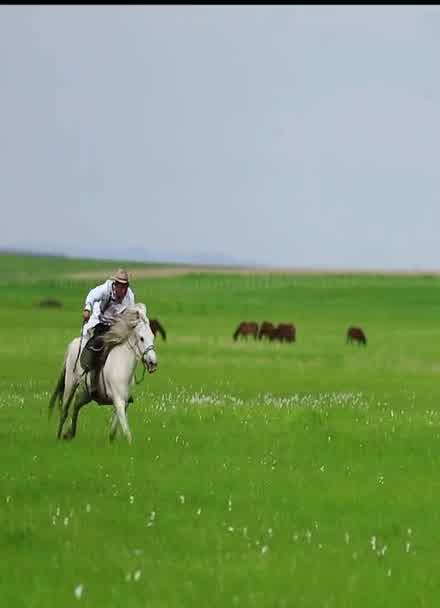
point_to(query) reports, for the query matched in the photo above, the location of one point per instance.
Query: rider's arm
(86, 314)
(95, 295)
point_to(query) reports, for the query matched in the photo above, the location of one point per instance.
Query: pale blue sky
(282, 135)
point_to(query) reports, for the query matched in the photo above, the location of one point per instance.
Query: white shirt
(103, 306)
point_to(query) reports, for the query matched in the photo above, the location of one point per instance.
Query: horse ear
(142, 310)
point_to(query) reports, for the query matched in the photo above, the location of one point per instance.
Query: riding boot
(94, 374)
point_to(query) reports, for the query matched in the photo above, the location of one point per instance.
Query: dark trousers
(100, 328)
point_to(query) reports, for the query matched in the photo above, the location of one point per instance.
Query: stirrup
(96, 350)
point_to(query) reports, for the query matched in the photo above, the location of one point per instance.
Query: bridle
(139, 354)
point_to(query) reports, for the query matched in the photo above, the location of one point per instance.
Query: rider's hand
(86, 315)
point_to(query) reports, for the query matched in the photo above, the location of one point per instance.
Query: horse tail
(58, 391)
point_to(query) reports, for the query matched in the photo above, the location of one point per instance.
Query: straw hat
(121, 276)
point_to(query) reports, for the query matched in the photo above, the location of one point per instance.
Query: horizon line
(238, 267)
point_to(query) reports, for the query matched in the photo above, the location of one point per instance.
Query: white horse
(130, 340)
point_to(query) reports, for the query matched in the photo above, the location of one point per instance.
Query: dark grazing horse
(284, 332)
(245, 329)
(157, 327)
(266, 330)
(356, 334)
(50, 303)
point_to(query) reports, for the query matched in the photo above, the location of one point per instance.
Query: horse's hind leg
(63, 417)
(68, 396)
(80, 401)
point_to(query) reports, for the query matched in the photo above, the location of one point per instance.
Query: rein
(80, 344)
(143, 376)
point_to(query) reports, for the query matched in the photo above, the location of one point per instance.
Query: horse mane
(122, 328)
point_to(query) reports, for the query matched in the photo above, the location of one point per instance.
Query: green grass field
(266, 475)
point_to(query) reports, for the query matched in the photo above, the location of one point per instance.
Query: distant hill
(32, 253)
(134, 255)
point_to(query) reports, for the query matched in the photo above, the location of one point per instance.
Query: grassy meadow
(266, 475)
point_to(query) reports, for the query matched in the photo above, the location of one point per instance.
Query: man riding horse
(103, 305)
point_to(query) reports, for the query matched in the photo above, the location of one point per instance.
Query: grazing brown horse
(246, 329)
(266, 330)
(157, 327)
(356, 334)
(284, 332)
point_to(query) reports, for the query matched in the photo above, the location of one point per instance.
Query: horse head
(144, 339)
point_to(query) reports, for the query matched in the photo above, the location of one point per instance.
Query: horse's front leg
(121, 417)
(114, 427)
(115, 421)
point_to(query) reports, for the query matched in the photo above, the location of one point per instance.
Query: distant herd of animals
(283, 332)
(286, 332)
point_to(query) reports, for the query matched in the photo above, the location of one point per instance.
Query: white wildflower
(78, 591)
